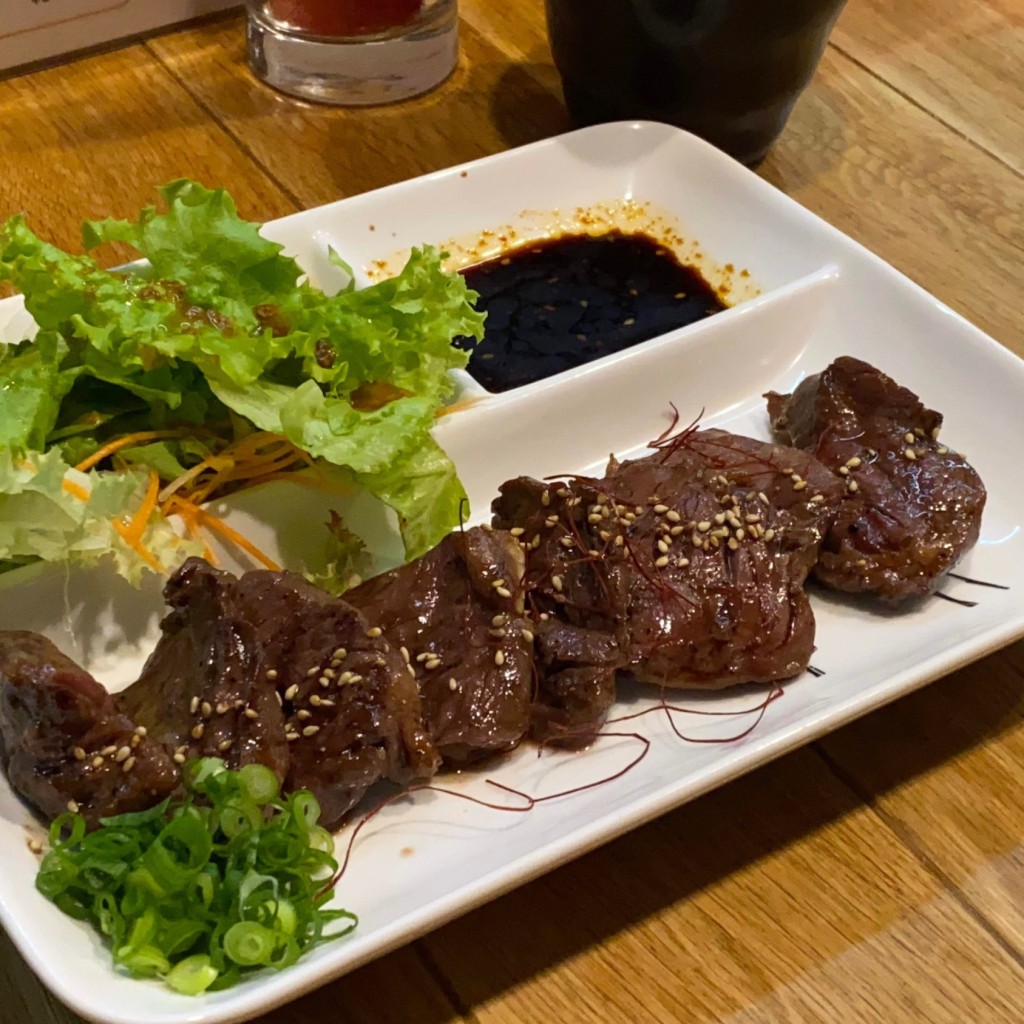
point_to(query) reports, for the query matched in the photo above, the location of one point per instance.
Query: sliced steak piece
(724, 531)
(203, 691)
(912, 507)
(456, 614)
(63, 743)
(691, 559)
(351, 709)
(577, 682)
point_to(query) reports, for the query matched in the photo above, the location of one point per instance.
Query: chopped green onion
(203, 890)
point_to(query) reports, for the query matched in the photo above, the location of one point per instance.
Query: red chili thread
(531, 801)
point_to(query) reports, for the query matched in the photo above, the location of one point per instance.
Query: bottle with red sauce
(343, 17)
(353, 52)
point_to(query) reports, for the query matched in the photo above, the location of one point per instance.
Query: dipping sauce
(559, 303)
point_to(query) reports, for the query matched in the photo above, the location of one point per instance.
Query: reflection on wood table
(875, 877)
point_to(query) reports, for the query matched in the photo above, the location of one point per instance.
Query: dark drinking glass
(727, 70)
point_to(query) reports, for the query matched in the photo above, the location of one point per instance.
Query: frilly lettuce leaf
(41, 518)
(221, 330)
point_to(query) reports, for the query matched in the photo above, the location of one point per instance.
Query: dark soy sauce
(557, 304)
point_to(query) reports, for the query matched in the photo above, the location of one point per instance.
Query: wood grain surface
(877, 877)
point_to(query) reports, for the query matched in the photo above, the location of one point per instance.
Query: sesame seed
(404, 651)
(303, 715)
(97, 761)
(291, 737)
(498, 583)
(673, 516)
(499, 633)
(194, 706)
(374, 631)
(136, 740)
(943, 450)
(310, 730)
(545, 498)
(769, 534)
(179, 758)
(498, 620)
(487, 527)
(843, 471)
(854, 462)
(411, 671)
(619, 540)
(315, 699)
(567, 542)
(452, 684)
(741, 533)
(433, 664)
(272, 674)
(862, 561)
(356, 678)
(682, 562)
(638, 510)
(517, 531)
(223, 709)
(909, 437)
(799, 485)
(703, 526)
(910, 454)
(73, 806)
(852, 486)
(663, 547)
(753, 517)
(123, 753)
(660, 509)
(662, 562)
(79, 754)
(206, 708)
(197, 731)
(292, 690)
(35, 846)
(499, 658)
(340, 654)
(816, 499)
(503, 592)
(527, 635)
(327, 703)
(556, 582)
(278, 696)
(224, 745)
(763, 498)
(251, 713)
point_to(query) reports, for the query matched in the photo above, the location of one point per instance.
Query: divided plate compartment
(426, 859)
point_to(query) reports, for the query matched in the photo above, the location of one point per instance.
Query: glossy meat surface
(457, 614)
(911, 507)
(691, 559)
(63, 742)
(352, 713)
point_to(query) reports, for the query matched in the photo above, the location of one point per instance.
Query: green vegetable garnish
(199, 891)
(219, 338)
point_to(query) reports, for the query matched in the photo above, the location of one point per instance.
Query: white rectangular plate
(431, 857)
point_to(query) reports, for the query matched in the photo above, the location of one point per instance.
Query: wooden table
(875, 876)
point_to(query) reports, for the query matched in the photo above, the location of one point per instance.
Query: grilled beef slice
(691, 560)
(203, 691)
(351, 709)
(456, 613)
(911, 507)
(63, 743)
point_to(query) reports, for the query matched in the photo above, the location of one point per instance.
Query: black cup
(727, 70)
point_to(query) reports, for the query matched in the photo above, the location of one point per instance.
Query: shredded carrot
(75, 490)
(137, 526)
(219, 526)
(204, 518)
(125, 442)
(447, 410)
(190, 474)
(136, 545)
